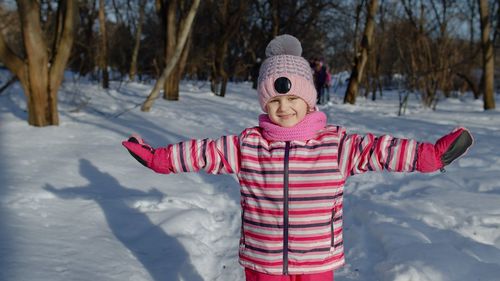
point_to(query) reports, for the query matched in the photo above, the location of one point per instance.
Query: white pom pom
(284, 45)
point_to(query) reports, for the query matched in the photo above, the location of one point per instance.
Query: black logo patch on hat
(282, 85)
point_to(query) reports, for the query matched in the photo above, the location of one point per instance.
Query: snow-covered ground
(75, 206)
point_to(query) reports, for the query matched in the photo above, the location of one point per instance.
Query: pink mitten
(155, 159)
(432, 157)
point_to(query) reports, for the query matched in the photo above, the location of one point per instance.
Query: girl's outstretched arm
(358, 154)
(214, 156)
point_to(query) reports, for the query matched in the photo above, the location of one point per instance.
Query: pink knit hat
(285, 72)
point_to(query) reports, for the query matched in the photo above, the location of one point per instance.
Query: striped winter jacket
(292, 192)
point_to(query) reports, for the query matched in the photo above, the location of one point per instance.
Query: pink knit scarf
(304, 130)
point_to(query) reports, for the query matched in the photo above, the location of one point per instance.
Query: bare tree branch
(146, 106)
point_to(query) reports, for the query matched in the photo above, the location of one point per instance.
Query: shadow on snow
(162, 255)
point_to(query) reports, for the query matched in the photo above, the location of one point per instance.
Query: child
(292, 169)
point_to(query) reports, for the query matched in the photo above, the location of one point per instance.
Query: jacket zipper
(243, 224)
(285, 208)
(333, 228)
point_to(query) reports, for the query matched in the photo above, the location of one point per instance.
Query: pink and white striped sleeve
(219, 156)
(359, 154)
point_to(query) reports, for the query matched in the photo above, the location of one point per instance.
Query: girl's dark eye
(282, 85)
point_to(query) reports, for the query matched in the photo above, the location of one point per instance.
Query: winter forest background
(432, 48)
(78, 77)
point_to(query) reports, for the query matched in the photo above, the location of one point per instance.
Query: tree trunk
(103, 45)
(13, 62)
(275, 18)
(230, 21)
(185, 29)
(176, 75)
(170, 91)
(359, 7)
(185, 54)
(37, 68)
(362, 55)
(41, 75)
(222, 76)
(488, 58)
(137, 42)
(171, 88)
(66, 22)
(470, 84)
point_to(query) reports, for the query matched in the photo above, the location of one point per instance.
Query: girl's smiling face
(286, 111)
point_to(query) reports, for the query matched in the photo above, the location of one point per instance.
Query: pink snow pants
(252, 275)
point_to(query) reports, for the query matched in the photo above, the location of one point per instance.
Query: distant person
(328, 84)
(292, 169)
(255, 72)
(320, 79)
(312, 63)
